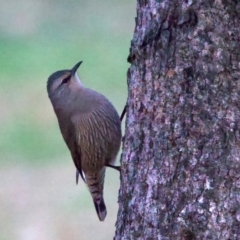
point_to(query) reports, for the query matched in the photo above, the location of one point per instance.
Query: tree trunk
(181, 154)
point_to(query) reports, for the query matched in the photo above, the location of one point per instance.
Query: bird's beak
(75, 68)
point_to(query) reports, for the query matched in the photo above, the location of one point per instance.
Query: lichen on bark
(181, 154)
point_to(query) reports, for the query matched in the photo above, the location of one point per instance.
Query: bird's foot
(114, 167)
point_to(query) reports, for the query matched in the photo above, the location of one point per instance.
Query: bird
(91, 129)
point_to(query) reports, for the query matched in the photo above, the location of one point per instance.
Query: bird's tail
(100, 208)
(95, 183)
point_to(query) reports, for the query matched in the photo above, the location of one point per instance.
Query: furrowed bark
(180, 174)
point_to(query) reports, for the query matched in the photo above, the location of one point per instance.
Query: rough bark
(181, 154)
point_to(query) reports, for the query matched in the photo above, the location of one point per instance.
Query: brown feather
(91, 128)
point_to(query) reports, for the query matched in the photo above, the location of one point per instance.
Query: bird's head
(64, 81)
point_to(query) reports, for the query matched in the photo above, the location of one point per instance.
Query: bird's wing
(77, 161)
(76, 150)
(69, 134)
(81, 174)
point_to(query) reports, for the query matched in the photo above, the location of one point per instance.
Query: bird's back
(98, 129)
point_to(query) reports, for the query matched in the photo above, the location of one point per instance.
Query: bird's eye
(65, 80)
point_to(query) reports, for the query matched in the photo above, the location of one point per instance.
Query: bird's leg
(121, 118)
(123, 113)
(114, 167)
(77, 176)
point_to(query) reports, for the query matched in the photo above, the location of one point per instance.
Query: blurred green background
(38, 195)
